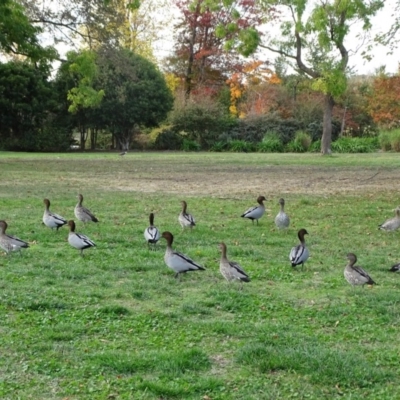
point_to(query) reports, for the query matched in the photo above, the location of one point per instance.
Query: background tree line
(214, 91)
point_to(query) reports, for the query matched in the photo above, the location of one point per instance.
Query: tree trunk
(84, 134)
(189, 69)
(327, 127)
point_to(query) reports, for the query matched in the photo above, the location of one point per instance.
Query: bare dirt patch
(210, 176)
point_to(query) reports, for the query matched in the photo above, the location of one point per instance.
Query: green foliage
(19, 36)
(355, 145)
(219, 146)
(270, 144)
(201, 121)
(240, 146)
(385, 141)
(190, 145)
(168, 139)
(83, 69)
(315, 146)
(395, 140)
(252, 129)
(301, 142)
(29, 110)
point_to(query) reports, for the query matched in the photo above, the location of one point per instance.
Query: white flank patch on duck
(82, 213)
(178, 262)
(354, 274)
(51, 219)
(299, 254)
(392, 224)
(185, 219)
(78, 240)
(8, 242)
(152, 234)
(256, 212)
(282, 220)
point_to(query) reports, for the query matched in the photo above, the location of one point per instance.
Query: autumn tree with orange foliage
(200, 59)
(384, 102)
(257, 86)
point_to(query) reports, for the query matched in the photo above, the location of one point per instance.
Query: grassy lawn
(115, 324)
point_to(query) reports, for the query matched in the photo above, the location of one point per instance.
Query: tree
(28, 104)
(384, 100)
(312, 38)
(136, 94)
(199, 55)
(17, 35)
(71, 19)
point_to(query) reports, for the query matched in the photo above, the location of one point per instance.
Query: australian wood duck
(50, 219)
(299, 254)
(178, 262)
(282, 220)
(78, 240)
(185, 219)
(231, 270)
(392, 224)
(152, 234)
(256, 212)
(82, 213)
(10, 243)
(354, 274)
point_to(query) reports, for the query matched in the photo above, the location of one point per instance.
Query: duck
(82, 213)
(152, 234)
(256, 212)
(50, 219)
(78, 240)
(185, 219)
(282, 220)
(392, 224)
(178, 262)
(231, 270)
(354, 274)
(10, 243)
(299, 254)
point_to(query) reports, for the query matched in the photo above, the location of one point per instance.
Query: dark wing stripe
(249, 211)
(189, 260)
(237, 267)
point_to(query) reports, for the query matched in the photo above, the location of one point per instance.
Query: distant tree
(28, 105)
(384, 100)
(313, 37)
(136, 94)
(199, 58)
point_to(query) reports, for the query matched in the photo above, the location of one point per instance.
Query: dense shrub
(202, 122)
(395, 140)
(240, 146)
(301, 142)
(219, 146)
(315, 146)
(355, 145)
(270, 144)
(315, 129)
(385, 140)
(252, 129)
(190, 145)
(168, 139)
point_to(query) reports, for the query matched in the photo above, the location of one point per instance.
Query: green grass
(116, 324)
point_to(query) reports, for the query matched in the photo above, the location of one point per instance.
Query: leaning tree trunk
(327, 126)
